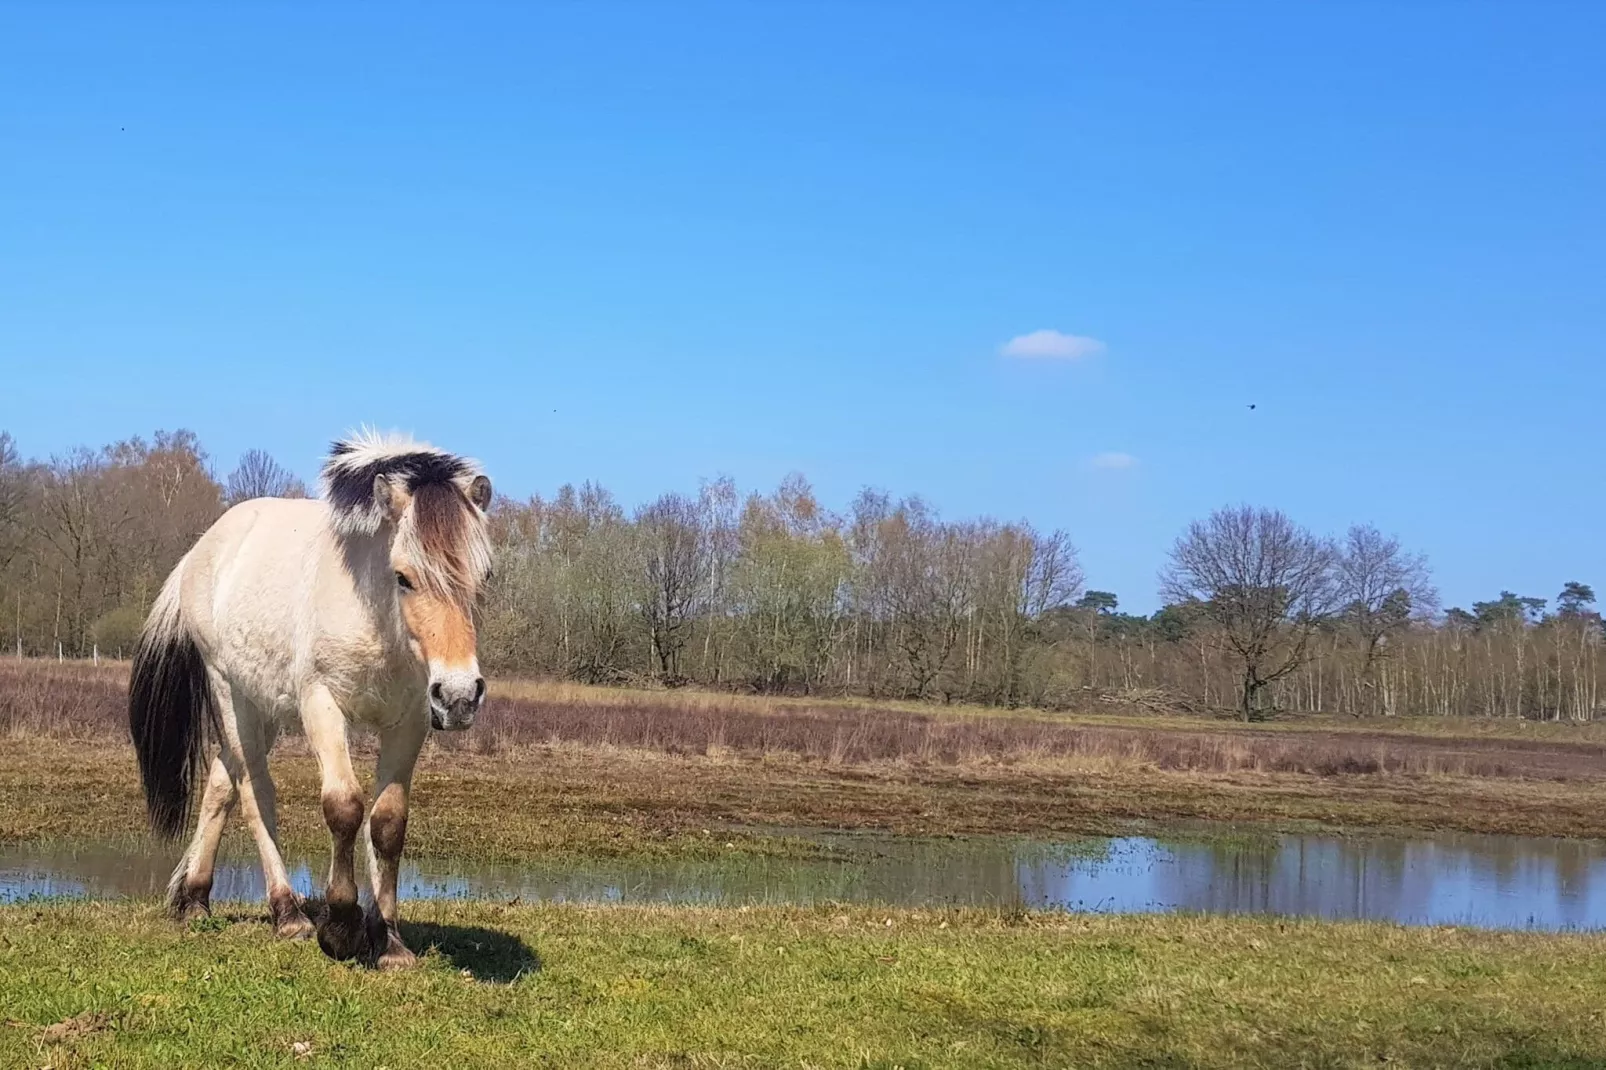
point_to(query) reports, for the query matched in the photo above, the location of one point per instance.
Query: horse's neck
(367, 562)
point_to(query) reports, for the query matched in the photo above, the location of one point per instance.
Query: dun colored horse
(353, 609)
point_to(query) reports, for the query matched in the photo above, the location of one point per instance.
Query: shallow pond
(1492, 881)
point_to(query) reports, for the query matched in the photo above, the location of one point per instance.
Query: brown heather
(65, 700)
(77, 701)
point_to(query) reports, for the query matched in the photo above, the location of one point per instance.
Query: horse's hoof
(188, 903)
(343, 933)
(289, 921)
(189, 910)
(296, 928)
(396, 957)
(340, 944)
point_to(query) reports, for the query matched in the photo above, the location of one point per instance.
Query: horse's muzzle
(451, 709)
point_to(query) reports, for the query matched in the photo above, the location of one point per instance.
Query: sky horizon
(1103, 270)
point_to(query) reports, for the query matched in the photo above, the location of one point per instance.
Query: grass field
(97, 985)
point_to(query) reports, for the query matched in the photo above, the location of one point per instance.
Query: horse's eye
(403, 582)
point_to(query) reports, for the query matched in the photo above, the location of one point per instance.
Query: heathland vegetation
(578, 770)
(775, 594)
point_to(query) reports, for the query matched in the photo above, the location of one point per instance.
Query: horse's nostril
(435, 693)
(479, 690)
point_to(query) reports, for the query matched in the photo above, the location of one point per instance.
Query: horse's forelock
(451, 544)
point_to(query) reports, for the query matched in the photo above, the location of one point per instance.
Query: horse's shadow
(483, 954)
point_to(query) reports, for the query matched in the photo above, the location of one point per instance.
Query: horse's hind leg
(189, 892)
(247, 737)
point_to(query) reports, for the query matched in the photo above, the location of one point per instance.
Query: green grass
(568, 986)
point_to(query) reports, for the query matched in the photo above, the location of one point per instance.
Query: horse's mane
(451, 536)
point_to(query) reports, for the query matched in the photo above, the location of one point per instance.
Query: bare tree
(919, 578)
(13, 494)
(598, 582)
(677, 561)
(166, 490)
(1266, 583)
(1578, 633)
(260, 476)
(1382, 586)
(720, 504)
(1022, 576)
(792, 569)
(1054, 577)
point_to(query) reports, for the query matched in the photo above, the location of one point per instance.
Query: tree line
(775, 593)
(87, 537)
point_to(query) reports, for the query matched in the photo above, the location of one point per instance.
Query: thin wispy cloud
(1113, 462)
(1051, 345)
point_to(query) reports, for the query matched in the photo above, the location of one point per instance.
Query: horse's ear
(479, 492)
(390, 498)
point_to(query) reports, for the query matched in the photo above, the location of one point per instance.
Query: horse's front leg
(341, 930)
(387, 827)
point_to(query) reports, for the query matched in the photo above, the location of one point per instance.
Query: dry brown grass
(75, 701)
(1117, 709)
(553, 769)
(63, 700)
(539, 802)
(858, 734)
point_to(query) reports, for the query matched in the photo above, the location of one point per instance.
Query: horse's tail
(170, 711)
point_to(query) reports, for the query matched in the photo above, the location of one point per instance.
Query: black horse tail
(171, 712)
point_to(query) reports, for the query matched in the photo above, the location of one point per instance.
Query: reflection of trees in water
(1500, 881)
(1573, 860)
(893, 873)
(1492, 880)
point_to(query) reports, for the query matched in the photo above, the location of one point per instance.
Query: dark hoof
(289, 920)
(188, 902)
(343, 932)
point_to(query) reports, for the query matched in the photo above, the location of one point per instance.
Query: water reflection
(1494, 881)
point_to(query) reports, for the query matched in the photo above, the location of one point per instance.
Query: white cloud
(1051, 345)
(1113, 462)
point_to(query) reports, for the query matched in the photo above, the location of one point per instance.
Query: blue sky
(648, 243)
